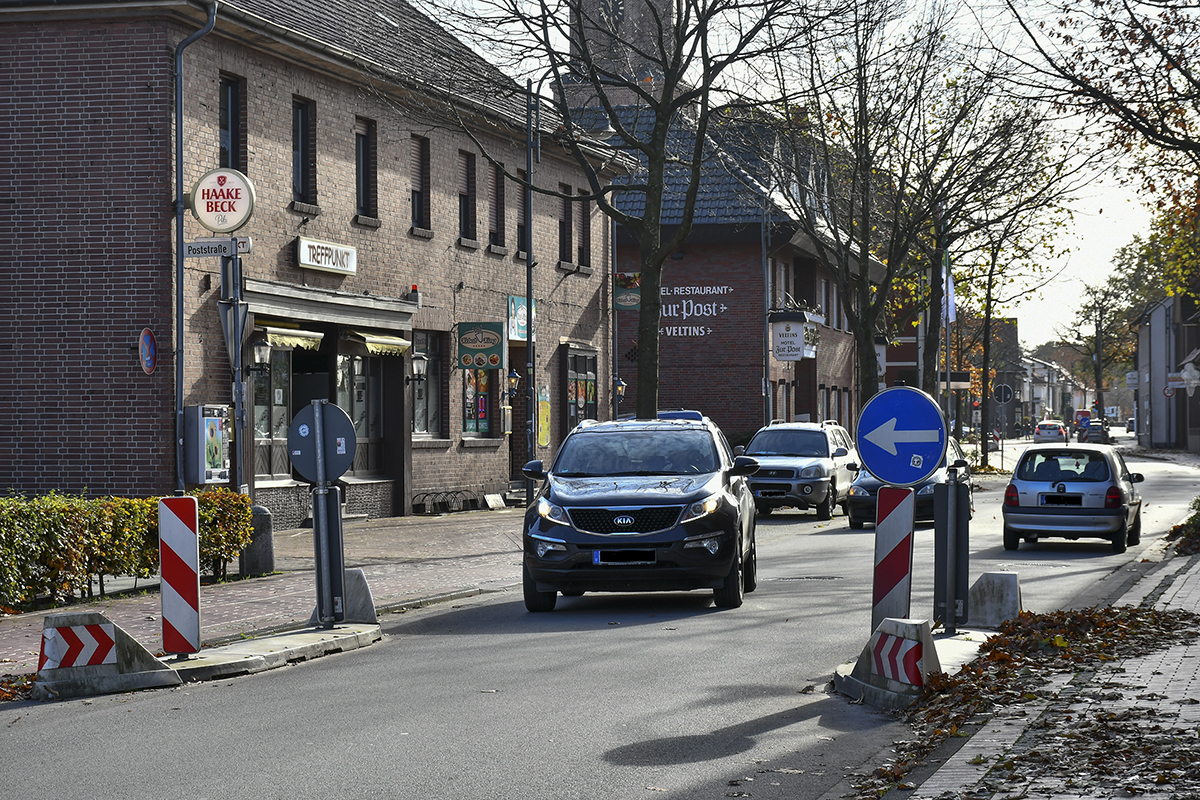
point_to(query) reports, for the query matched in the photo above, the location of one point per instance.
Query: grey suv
(803, 465)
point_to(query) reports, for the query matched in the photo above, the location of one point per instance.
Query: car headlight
(815, 471)
(552, 513)
(858, 491)
(701, 508)
(926, 490)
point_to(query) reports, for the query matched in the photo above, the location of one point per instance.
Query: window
(581, 387)
(272, 411)
(420, 183)
(477, 401)
(496, 208)
(232, 145)
(835, 309)
(824, 301)
(360, 395)
(364, 168)
(522, 214)
(466, 196)
(584, 259)
(564, 225)
(304, 152)
(427, 394)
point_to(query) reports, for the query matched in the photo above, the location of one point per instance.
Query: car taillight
(1010, 496)
(1112, 498)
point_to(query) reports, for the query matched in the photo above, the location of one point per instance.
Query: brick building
(380, 231)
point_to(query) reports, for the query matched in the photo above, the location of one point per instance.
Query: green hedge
(52, 546)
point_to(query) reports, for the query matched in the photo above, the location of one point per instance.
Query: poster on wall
(518, 319)
(543, 416)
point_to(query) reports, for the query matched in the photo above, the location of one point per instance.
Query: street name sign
(901, 436)
(205, 248)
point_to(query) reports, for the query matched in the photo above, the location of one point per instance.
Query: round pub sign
(223, 200)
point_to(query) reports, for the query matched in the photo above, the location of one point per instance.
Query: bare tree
(656, 73)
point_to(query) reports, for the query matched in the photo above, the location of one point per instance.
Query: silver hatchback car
(1081, 491)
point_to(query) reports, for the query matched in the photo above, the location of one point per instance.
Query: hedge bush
(52, 546)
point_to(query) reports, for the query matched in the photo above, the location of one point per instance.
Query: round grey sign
(339, 441)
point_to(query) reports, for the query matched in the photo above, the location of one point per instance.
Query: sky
(1107, 217)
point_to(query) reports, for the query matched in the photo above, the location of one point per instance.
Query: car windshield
(1063, 465)
(784, 442)
(659, 452)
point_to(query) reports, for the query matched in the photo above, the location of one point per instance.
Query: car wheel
(729, 594)
(1011, 539)
(535, 600)
(750, 571)
(856, 523)
(1119, 540)
(764, 510)
(825, 507)
(1135, 532)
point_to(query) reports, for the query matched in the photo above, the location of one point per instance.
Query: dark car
(865, 489)
(641, 506)
(1098, 432)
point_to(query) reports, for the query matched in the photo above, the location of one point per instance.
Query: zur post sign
(223, 200)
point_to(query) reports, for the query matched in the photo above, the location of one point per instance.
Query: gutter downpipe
(180, 486)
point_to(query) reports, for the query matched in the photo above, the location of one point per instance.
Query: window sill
(497, 249)
(277, 483)
(311, 209)
(366, 222)
(420, 233)
(479, 442)
(364, 479)
(431, 444)
(470, 244)
(577, 269)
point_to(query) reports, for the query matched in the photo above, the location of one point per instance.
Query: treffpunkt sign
(326, 256)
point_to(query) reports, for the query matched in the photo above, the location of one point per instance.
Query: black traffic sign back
(1003, 393)
(338, 438)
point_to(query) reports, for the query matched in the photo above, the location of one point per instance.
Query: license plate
(1062, 500)
(604, 557)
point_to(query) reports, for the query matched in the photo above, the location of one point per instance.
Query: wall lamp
(619, 387)
(513, 380)
(261, 352)
(420, 365)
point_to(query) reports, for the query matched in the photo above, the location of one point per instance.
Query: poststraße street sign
(901, 436)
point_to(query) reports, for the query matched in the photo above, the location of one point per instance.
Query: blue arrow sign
(901, 436)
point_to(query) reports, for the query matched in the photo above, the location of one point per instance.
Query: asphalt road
(610, 696)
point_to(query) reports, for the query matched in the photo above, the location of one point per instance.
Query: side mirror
(1136, 477)
(853, 465)
(960, 463)
(744, 465)
(841, 452)
(534, 471)
(739, 450)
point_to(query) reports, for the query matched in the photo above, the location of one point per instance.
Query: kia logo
(624, 520)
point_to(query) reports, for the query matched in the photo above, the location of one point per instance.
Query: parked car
(641, 506)
(1049, 430)
(1082, 491)
(864, 492)
(802, 465)
(1098, 432)
(1130, 425)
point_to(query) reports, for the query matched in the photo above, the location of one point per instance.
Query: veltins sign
(795, 335)
(480, 345)
(223, 200)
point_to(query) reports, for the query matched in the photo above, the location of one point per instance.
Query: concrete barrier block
(995, 598)
(357, 600)
(85, 654)
(259, 556)
(892, 668)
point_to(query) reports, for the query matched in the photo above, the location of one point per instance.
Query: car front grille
(775, 473)
(625, 520)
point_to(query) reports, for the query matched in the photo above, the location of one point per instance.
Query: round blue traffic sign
(901, 436)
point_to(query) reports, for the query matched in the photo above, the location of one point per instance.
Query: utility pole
(1098, 358)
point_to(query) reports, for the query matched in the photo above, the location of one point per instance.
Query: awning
(379, 344)
(291, 337)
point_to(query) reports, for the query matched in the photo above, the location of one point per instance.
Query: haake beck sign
(223, 200)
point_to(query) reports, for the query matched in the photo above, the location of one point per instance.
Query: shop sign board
(326, 256)
(518, 319)
(480, 345)
(795, 335)
(223, 200)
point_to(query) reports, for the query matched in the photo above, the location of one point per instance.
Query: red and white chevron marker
(179, 566)
(893, 554)
(78, 646)
(897, 658)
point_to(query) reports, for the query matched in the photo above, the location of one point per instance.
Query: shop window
(231, 124)
(428, 394)
(581, 387)
(360, 395)
(272, 413)
(479, 402)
